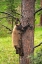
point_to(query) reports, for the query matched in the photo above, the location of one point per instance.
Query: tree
(41, 14)
(10, 9)
(28, 17)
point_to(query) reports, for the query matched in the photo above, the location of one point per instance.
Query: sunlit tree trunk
(28, 8)
(41, 14)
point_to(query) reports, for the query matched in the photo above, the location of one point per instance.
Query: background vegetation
(7, 52)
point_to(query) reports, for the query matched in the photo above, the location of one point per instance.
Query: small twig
(7, 28)
(16, 12)
(37, 45)
(10, 15)
(38, 10)
(4, 17)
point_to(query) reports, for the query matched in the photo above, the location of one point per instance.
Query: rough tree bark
(41, 14)
(28, 9)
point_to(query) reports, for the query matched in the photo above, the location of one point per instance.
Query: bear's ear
(16, 25)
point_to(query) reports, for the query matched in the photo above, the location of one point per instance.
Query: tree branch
(7, 28)
(10, 15)
(37, 45)
(38, 10)
(4, 17)
(19, 14)
(16, 12)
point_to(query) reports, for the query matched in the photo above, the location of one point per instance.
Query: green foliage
(37, 4)
(36, 59)
(37, 19)
(38, 51)
(37, 16)
(38, 35)
(2, 5)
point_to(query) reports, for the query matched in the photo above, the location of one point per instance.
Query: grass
(7, 52)
(38, 38)
(38, 34)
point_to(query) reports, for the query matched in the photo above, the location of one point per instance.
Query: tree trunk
(28, 9)
(41, 14)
